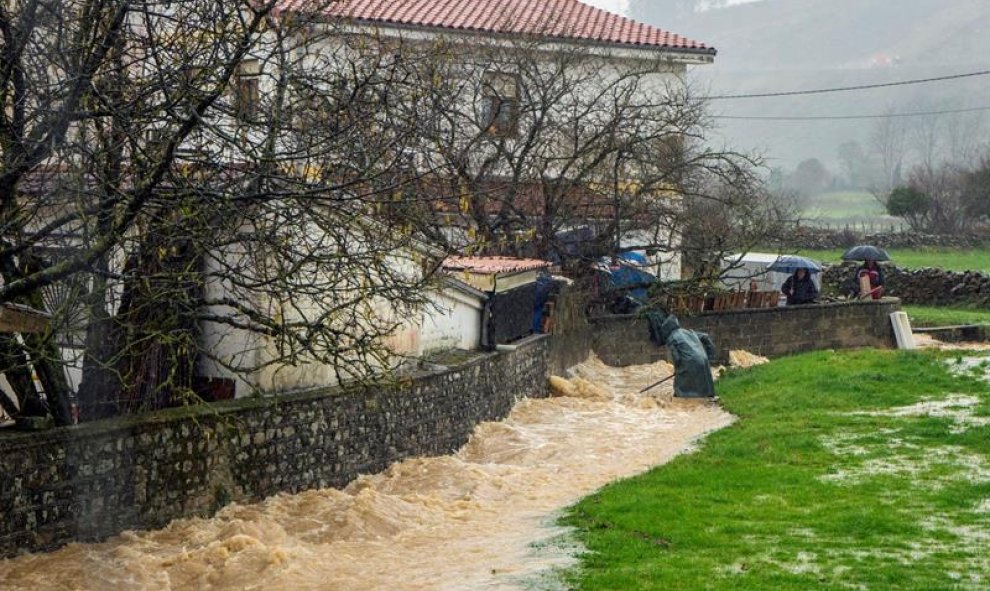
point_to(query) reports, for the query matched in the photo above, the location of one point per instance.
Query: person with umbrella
(868, 280)
(799, 288)
(869, 271)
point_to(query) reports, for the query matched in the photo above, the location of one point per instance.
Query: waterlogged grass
(943, 316)
(846, 470)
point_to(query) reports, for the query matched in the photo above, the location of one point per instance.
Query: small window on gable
(247, 91)
(500, 104)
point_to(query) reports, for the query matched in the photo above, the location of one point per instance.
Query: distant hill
(779, 45)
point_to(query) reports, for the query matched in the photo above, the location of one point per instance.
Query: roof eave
(687, 55)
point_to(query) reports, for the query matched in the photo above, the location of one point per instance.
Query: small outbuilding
(512, 288)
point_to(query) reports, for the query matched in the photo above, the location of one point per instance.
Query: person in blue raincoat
(691, 352)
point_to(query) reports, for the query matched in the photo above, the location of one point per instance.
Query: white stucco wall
(454, 324)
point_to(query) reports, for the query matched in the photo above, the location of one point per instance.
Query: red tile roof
(563, 19)
(493, 264)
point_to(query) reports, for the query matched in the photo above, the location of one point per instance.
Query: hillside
(815, 34)
(775, 45)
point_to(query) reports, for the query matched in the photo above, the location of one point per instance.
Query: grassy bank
(826, 482)
(942, 316)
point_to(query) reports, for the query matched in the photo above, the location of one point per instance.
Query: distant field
(976, 259)
(861, 211)
(853, 209)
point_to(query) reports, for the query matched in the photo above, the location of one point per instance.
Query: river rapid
(480, 519)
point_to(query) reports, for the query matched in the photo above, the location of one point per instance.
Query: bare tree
(265, 201)
(78, 71)
(888, 139)
(532, 139)
(183, 184)
(976, 191)
(731, 212)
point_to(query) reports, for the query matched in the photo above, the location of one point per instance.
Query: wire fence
(862, 227)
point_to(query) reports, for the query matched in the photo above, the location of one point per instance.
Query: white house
(494, 92)
(492, 121)
(492, 99)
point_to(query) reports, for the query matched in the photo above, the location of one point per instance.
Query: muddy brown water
(482, 518)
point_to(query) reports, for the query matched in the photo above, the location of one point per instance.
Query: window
(500, 104)
(246, 91)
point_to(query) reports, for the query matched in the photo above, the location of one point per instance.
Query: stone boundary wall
(95, 480)
(807, 237)
(955, 334)
(925, 287)
(771, 332)
(572, 333)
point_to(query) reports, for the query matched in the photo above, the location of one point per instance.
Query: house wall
(97, 479)
(497, 282)
(454, 323)
(236, 348)
(246, 357)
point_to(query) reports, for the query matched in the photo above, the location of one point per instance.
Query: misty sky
(616, 6)
(622, 6)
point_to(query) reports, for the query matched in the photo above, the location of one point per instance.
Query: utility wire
(846, 117)
(848, 88)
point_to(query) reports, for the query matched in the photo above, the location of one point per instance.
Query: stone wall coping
(756, 311)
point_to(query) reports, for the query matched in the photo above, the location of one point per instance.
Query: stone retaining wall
(97, 479)
(926, 287)
(954, 334)
(771, 332)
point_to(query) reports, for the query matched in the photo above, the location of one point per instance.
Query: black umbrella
(865, 252)
(790, 263)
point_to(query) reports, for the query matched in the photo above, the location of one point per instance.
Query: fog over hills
(784, 45)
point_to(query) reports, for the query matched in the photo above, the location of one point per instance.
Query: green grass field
(854, 209)
(944, 316)
(974, 259)
(846, 470)
(859, 210)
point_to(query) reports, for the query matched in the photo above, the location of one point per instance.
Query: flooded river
(482, 518)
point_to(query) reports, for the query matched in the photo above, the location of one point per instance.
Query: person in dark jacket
(800, 288)
(691, 352)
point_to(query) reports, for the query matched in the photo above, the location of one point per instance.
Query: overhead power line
(849, 88)
(847, 117)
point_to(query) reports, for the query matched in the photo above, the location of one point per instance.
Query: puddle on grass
(978, 366)
(956, 538)
(959, 408)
